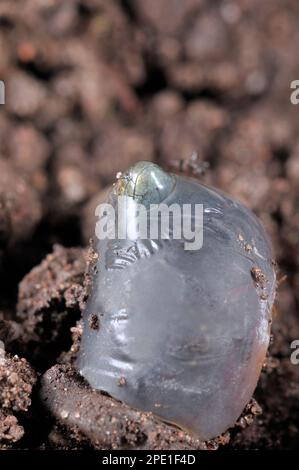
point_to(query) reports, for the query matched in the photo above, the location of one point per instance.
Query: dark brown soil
(92, 87)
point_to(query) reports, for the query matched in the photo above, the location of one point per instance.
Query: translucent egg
(178, 332)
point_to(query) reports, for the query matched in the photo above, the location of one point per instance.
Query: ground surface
(91, 87)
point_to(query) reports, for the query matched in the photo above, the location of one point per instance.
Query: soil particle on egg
(248, 247)
(122, 381)
(94, 322)
(258, 276)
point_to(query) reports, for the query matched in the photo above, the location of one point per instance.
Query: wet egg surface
(181, 333)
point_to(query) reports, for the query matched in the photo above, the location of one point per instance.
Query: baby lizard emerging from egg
(183, 333)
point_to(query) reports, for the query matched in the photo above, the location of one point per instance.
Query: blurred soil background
(93, 86)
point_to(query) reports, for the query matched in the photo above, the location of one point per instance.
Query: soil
(91, 87)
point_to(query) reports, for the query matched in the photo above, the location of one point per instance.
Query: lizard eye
(146, 183)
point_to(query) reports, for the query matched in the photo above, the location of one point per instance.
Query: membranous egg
(181, 331)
